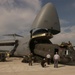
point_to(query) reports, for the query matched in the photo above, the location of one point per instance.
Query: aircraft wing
(6, 48)
(7, 42)
(7, 45)
(13, 35)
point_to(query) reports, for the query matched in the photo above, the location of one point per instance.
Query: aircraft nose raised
(47, 18)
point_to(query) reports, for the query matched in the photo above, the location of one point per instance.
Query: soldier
(48, 58)
(56, 59)
(3, 57)
(30, 59)
(43, 62)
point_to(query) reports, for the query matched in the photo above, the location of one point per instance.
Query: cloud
(65, 36)
(16, 16)
(67, 33)
(73, 4)
(64, 22)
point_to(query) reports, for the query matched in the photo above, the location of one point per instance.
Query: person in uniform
(56, 59)
(3, 57)
(48, 58)
(30, 59)
(43, 62)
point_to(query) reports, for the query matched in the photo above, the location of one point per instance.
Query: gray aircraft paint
(23, 47)
(47, 18)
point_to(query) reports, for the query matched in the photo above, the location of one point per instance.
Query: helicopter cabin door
(56, 50)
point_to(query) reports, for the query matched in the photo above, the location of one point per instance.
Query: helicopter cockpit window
(56, 50)
(66, 52)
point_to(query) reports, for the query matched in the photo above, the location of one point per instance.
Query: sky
(17, 16)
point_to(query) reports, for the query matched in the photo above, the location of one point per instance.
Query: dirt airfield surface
(14, 66)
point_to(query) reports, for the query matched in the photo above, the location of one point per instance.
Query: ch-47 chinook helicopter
(45, 25)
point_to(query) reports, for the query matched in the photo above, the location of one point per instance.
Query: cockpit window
(40, 31)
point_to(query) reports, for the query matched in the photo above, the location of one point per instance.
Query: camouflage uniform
(43, 62)
(30, 59)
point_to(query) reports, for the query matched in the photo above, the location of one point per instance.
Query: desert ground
(14, 66)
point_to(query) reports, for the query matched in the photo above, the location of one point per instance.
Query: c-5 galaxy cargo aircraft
(44, 27)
